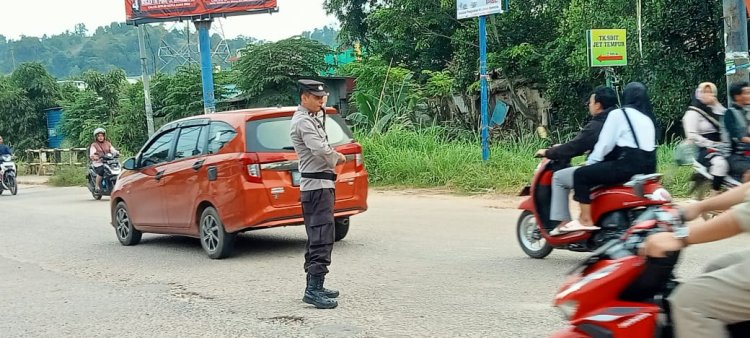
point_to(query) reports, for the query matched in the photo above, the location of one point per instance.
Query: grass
(69, 176)
(430, 159)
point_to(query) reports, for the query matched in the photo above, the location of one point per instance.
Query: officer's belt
(320, 176)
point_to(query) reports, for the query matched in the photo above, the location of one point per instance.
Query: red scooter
(617, 293)
(613, 208)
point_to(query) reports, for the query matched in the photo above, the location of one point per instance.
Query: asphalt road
(414, 265)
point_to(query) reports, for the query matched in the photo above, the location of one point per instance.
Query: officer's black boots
(315, 295)
(327, 292)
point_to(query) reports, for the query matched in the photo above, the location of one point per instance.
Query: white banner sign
(474, 8)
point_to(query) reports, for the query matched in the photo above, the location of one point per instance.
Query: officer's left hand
(541, 153)
(342, 158)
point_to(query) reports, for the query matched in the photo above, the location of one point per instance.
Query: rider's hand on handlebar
(659, 244)
(541, 153)
(690, 212)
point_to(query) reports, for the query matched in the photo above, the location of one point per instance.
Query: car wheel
(342, 228)
(126, 232)
(215, 241)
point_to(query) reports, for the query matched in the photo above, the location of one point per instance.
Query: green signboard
(607, 47)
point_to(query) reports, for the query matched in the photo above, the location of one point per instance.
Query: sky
(56, 16)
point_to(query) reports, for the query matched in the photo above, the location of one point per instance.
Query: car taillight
(251, 168)
(353, 150)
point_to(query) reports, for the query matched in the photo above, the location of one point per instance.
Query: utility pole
(207, 75)
(484, 87)
(735, 42)
(146, 82)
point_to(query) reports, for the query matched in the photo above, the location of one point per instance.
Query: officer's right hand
(342, 158)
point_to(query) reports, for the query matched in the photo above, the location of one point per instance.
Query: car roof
(238, 117)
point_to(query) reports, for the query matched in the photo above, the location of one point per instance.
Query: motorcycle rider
(600, 103)
(4, 150)
(98, 149)
(626, 147)
(702, 125)
(705, 305)
(736, 123)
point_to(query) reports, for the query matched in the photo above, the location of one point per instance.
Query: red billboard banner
(145, 11)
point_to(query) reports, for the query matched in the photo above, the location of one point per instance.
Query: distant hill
(116, 46)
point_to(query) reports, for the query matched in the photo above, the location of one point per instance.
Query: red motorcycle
(613, 208)
(617, 293)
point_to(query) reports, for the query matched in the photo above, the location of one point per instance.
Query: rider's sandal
(571, 227)
(556, 231)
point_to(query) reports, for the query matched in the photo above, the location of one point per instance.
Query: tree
(541, 43)
(181, 95)
(268, 72)
(18, 119)
(108, 87)
(35, 91)
(352, 14)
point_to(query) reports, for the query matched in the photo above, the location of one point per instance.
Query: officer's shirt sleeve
(317, 143)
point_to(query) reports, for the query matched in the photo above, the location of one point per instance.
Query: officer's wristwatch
(682, 234)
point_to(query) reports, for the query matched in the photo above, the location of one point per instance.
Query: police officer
(317, 163)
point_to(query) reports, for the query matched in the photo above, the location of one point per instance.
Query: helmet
(99, 131)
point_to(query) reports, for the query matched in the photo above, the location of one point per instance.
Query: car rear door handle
(198, 165)
(159, 175)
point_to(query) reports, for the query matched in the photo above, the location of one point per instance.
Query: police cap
(313, 87)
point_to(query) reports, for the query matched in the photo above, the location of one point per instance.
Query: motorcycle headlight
(568, 308)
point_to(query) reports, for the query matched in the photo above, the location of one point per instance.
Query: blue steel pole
(483, 82)
(204, 41)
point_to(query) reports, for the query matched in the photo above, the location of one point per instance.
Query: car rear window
(272, 135)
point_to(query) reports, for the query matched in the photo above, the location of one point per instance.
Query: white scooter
(8, 174)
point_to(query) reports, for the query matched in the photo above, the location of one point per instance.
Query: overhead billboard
(146, 11)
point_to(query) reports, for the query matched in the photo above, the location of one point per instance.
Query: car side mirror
(130, 164)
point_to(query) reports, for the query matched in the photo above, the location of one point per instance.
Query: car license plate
(296, 177)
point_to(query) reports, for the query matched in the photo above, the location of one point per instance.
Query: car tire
(342, 228)
(126, 232)
(214, 239)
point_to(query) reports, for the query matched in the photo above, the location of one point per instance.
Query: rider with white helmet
(98, 149)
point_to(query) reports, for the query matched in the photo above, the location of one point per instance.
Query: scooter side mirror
(130, 164)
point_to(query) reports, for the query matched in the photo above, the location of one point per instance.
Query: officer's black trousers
(317, 210)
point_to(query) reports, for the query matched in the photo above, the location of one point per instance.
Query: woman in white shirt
(626, 147)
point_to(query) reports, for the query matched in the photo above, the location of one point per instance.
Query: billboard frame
(202, 21)
(201, 17)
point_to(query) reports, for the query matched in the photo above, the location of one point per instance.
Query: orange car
(214, 176)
